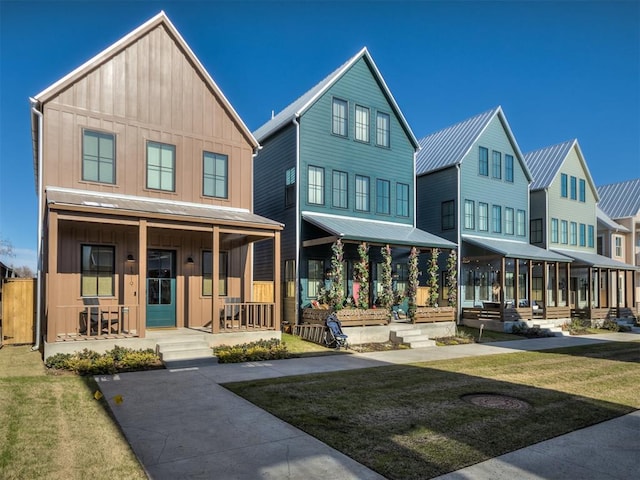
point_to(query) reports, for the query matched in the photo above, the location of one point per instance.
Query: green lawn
(52, 427)
(409, 422)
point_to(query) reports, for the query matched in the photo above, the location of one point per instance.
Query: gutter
(38, 113)
(296, 122)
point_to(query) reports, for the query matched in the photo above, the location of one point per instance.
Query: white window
(362, 193)
(339, 117)
(214, 181)
(316, 185)
(382, 129)
(618, 246)
(98, 157)
(469, 214)
(161, 166)
(362, 124)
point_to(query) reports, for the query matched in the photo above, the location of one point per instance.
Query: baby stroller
(334, 337)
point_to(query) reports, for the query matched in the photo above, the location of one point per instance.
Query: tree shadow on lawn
(413, 421)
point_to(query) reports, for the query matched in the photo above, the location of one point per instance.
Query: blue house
(473, 189)
(339, 164)
(564, 217)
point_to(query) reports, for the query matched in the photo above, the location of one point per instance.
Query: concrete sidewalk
(182, 424)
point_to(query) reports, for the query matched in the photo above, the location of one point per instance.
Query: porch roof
(375, 231)
(513, 249)
(139, 206)
(595, 260)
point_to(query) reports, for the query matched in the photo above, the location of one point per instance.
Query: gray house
(473, 189)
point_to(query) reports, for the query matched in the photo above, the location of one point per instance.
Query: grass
(409, 422)
(52, 427)
(302, 348)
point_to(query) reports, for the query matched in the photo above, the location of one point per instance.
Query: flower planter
(349, 317)
(434, 314)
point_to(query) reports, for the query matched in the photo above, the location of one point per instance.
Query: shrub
(252, 352)
(611, 325)
(88, 362)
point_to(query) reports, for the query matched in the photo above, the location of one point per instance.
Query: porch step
(410, 335)
(184, 349)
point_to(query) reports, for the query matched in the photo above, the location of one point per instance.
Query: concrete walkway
(182, 424)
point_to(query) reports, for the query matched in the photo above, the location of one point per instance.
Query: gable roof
(622, 199)
(116, 48)
(546, 162)
(606, 222)
(304, 102)
(449, 146)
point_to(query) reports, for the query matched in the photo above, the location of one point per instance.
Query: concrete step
(422, 343)
(399, 336)
(183, 349)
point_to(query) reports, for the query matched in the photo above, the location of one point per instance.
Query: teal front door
(161, 288)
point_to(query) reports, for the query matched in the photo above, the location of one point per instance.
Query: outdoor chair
(97, 319)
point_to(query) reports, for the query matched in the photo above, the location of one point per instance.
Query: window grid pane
(402, 200)
(339, 114)
(362, 124)
(574, 194)
(383, 196)
(508, 221)
(207, 274)
(316, 185)
(573, 232)
(98, 269)
(483, 216)
(448, 215)
(339, 189)
(583, 235)
(382, 129)
(496, 165)
(362, 193)
(554, 230)
(521, 222)
(590, 237)
(564, 232)
(508, 168)
(315, 278)
(214, 175)
(563, 185)
(160, 166)
(98, 157)
(582, 190)
(497, 219)
(483, 162)
(469, 214)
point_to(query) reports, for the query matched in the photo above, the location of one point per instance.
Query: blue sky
(560, 70)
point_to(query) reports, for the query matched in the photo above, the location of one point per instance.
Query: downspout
(459, 242)
(38, 113)
(251, 245)
(296, 122)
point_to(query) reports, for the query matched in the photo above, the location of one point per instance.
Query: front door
(161, 288)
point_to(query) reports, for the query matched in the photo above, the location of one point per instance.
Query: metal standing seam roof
(608, 222)
(620, 200)
(139, 205)
(545, 163)
(514, 249)
(595, 260)
(375, 231)
(299, 106)
(449, 146)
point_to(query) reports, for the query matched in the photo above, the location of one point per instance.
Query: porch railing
(94, 322)
(248, 316)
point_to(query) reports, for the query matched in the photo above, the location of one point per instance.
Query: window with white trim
(339, 115)
(383, 126)
(98, 157)
(316, 185)
(215, 175)
(362, 124)
(161, 166)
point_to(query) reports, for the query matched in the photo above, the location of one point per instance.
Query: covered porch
(510, 281)
(118, 272)
(319, 234)
(601, 287)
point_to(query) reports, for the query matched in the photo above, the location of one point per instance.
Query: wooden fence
(263, 292)
(18, 311)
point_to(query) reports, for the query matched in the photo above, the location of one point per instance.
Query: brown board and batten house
(144, 174)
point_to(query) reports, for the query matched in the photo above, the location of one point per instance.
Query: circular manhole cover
(495, 400)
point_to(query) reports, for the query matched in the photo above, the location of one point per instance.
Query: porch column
(277, 281)
(617, 291)
(530, 286)
(589, 280)
(545, 280)
(516, 293)
(215, 280)
(556, 287)
(51, 305)
(568, 287)
(501, 296)
(142, 278)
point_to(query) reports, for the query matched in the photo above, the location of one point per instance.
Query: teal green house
(473, 189)
(564, 219)
(339, 163)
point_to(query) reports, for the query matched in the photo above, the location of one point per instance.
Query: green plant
(386, 296)
(412, 285)
(336, 290)
(361, 275)
(271, 349)
(89, 362)
(452, 278)
(611, 325)
(433, 278)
